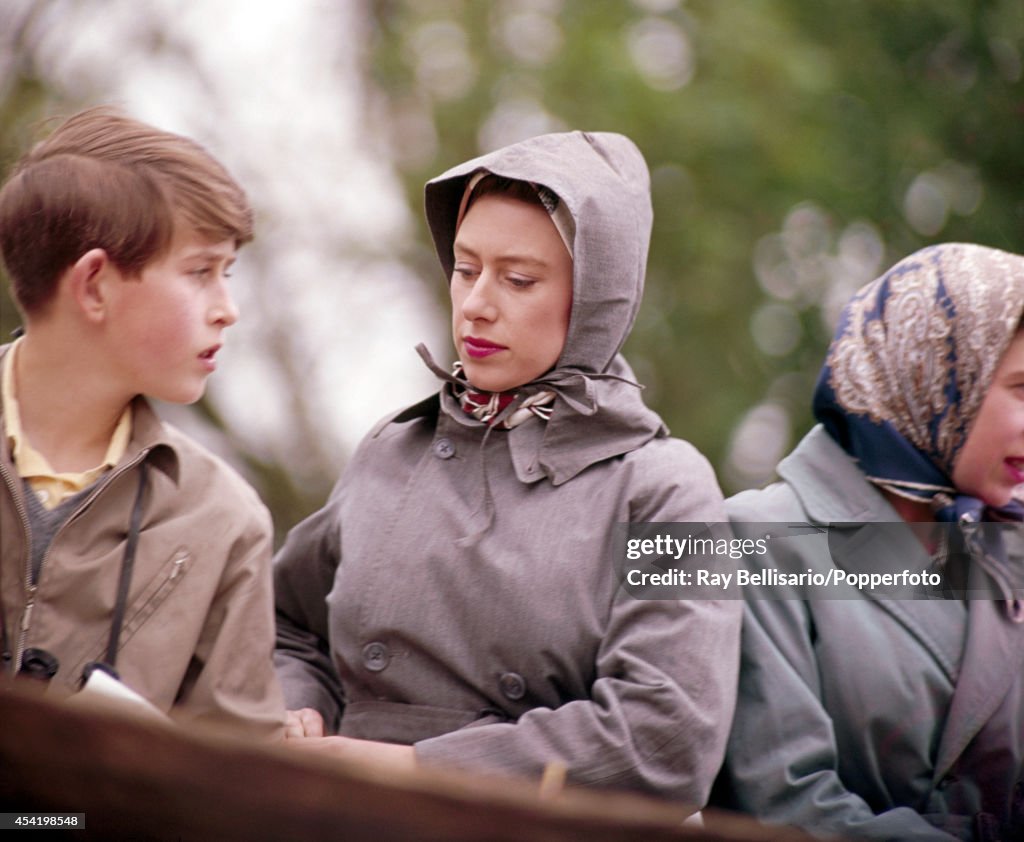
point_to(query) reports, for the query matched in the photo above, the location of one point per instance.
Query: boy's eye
(205, 272)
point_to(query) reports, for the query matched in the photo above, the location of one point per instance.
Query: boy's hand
(303, 723)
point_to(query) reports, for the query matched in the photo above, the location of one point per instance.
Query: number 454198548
(35, 821)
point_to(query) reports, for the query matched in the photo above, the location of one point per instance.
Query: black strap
(6, 658)
(127, 566)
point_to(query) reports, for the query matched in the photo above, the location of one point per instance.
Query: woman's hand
(368, 751)
(304, 723)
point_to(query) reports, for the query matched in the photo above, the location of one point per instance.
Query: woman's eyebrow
(508, 257)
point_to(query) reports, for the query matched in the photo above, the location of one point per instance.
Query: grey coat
(873, 718)
(472, 606)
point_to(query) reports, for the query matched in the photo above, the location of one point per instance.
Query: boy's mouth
(207, 356)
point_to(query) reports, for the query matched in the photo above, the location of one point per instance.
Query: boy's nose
(224, 310)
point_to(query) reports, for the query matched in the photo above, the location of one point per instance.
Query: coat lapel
(885, 547)
(993, 660)
(834, 493)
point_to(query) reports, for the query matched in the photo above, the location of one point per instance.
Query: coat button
(513, 686)
(444, 449)
(375, 656)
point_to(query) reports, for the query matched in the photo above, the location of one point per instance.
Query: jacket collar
(149, 436)
(621, 423)
(558, 449)
(593, 420)
(830, 485)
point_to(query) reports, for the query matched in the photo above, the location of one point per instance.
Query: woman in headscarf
(869, 716)
(457, 600)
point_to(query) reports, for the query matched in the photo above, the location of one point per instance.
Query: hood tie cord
(559, 382)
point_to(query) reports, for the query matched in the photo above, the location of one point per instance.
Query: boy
(124, 543)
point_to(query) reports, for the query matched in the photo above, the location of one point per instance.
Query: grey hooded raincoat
(472, 607)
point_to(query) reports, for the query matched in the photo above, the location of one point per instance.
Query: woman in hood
(457, 602)
(898, 715)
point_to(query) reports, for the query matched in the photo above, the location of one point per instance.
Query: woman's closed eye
(520, 282)
(466, 272)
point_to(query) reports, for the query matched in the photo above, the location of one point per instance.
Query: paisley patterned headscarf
(912, 359)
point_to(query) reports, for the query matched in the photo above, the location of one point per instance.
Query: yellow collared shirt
(52, 487)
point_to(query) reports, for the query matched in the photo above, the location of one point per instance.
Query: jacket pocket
(141, 608)
(172, 572)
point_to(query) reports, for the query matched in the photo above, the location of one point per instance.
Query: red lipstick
(479, 348)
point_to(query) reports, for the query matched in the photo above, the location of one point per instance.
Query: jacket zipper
(30, 587)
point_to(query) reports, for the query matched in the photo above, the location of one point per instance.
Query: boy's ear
(89, 280)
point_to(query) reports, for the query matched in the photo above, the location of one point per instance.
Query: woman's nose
(479, 303)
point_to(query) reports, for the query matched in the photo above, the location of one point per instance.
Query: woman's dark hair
(499, 185)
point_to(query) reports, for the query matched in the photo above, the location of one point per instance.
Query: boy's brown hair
(104, 180)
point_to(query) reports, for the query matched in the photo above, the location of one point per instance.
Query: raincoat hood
(603, 180)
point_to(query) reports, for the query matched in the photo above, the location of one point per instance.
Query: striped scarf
(488, 406)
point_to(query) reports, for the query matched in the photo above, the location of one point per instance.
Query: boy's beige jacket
(198, 629)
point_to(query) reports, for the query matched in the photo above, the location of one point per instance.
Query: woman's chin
(483, 379)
